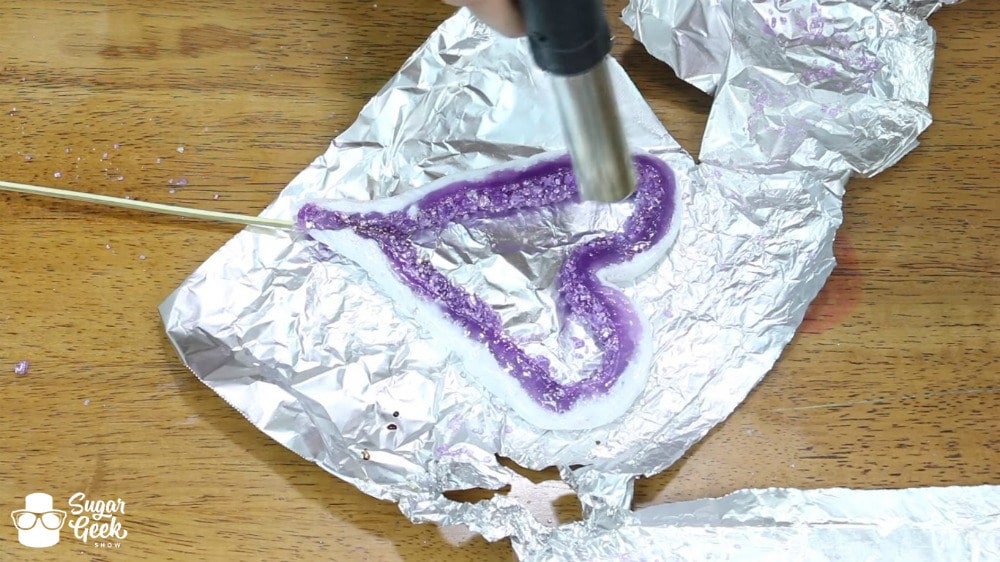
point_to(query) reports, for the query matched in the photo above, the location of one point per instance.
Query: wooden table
(893, 381)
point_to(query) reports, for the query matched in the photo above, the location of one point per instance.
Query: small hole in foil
(475, 495)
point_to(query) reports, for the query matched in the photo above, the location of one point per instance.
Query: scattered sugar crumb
(86, 402)
(68, 150)
(170, 181)
(142, 256)
(159, 160)
(21, 367)
(172, 191)
(107, 246)
(180, 149)
(216, 197)
(28, 157)
(104, 156)
(120, 178)
(57, 175)
(116, 146)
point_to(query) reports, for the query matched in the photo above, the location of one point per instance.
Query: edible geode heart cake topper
(332, 364)
(552, 391)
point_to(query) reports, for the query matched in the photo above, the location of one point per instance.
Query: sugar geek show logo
(94, 522)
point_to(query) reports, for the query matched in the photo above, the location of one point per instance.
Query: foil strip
(955, 524)
(296, 338)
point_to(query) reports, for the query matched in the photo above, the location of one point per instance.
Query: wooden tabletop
(893, 381)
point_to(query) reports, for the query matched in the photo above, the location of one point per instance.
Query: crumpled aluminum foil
(695, 36)
(294, 337)
(955, 524)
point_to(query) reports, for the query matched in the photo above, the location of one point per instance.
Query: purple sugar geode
(605, 312)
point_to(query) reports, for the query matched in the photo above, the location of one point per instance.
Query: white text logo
(97, 521)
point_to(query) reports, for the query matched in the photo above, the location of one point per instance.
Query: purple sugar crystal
(605, 312)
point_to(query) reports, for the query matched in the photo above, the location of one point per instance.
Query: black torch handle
(567, 37)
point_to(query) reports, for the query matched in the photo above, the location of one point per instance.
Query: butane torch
(571, 40)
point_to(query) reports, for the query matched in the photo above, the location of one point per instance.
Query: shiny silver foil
(958, 524)
(695, 36)
(297, 339)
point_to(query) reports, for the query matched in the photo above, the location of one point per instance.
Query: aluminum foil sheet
(957, 524)
(695, 36)
(297, 339)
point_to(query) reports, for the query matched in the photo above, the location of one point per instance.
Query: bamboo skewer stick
(146, 206)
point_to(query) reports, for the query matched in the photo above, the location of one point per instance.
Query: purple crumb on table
(216, 197)
(21, 367)
(182, 182)
(57, 175)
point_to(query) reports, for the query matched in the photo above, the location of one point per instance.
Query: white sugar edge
(477, 361)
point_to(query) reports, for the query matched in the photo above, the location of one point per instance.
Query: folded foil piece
(956, 524)
(695, 37)
(298, 340)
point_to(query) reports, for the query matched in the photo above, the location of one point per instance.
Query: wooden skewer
(146, 206)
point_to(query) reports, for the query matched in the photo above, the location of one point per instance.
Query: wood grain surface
(892, 382)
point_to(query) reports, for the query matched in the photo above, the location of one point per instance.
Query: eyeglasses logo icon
(38, 523)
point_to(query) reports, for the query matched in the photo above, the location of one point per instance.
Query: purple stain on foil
(22, 367)
(607, 314)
